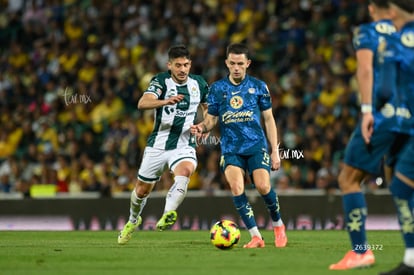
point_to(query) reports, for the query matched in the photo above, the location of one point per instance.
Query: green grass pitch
(184, 252)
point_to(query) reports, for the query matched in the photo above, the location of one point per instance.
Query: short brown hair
(237, 48)
(178, 51)
(406, 5)
(380, 3)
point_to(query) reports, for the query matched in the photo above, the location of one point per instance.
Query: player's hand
(367, 126)
(197, 130)
(275, 160)
(174, 99)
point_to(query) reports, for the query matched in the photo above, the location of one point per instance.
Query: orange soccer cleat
(255, 242)
(280, 236)
(353, 260)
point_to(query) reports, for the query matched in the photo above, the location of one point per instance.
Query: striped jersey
(239, 108)
(172, 122)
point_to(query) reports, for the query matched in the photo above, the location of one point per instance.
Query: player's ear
(248, 63)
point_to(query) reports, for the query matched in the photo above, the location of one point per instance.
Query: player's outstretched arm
(150, 101)
(205, 126)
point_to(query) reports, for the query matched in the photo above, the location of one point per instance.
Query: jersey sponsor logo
(385, 28)
(230, 117)
(236, 102)
(403, 112)
(389, 110)
(170, 110)
(180, 113)
(407, 39)
(183, 104)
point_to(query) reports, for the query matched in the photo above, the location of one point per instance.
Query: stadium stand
(71, 73)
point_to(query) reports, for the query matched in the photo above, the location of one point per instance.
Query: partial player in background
(175, 96)
(400, 53)
(370, 141)
(239, 101)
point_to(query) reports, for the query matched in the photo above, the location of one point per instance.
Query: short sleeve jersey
(400, 50)
(238, 108)
(373, 36)
(172, 122)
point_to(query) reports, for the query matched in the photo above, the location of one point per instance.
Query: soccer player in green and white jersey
(175, 95)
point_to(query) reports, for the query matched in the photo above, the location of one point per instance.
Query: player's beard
(180, 78)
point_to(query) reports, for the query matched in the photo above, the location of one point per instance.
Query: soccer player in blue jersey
(370, 141)
(400, 50)
(175, 95)
(238, 102)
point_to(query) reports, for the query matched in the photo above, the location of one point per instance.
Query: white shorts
(155, 161)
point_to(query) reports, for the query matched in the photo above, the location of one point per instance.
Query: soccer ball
(224, 234)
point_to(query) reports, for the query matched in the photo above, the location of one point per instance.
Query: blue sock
(403, 195)
(272, 205)
(355, 211)
(245, 210)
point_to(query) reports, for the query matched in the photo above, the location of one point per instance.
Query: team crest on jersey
(236, 102)
(407, 39)
(251, 90)
(194, 92)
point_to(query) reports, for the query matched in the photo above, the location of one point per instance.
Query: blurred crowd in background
(72, 72)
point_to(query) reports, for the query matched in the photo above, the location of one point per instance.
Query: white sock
(409, 257)
(177, 193)
(136, 206)
(254, 231)
(278, 223)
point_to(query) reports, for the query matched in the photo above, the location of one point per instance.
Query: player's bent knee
(184, 168)
(262, 187)
(143, 189)
(236, 189)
